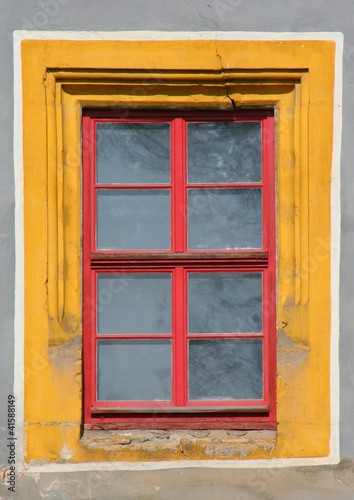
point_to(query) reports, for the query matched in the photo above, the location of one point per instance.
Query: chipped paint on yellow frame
(62, 76)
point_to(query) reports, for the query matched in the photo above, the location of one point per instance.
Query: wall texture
(200, 15)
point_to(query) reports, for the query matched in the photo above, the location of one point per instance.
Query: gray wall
(197, 15)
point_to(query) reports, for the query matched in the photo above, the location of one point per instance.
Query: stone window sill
(135, 445)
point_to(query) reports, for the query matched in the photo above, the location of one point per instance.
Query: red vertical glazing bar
(172, 189)
(179, 181)
(86, 277)
(265, 183)
(92, 186)
(270, 144)
(179, 337)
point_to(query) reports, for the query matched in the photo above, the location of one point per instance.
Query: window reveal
(179, 269)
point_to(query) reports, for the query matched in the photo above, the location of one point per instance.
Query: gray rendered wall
(169, 15)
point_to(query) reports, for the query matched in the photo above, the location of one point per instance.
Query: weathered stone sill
(182, 444)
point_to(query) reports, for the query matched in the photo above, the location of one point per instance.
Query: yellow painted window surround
(62, 77)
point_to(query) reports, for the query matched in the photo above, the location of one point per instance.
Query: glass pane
(134, 303)
(224, 152)
(133, 153)
(133, 219)
(225, 302)
(224, 218)
(225, 369)
(134, 370)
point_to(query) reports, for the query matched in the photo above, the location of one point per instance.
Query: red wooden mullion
(179, 354)
(178, 152)
(179, 230)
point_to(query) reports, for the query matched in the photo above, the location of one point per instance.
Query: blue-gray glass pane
(225, 369)
(224, 218)
(225, 302)
(133, 153)
(224, 152)
(134, 370)
(134, 303)
(133, 219)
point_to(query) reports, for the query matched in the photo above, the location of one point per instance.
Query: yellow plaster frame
(61, 77)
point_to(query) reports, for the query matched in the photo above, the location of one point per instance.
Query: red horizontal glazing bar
(225, 336)
(132, 186)
(133, 336)
(228, 185)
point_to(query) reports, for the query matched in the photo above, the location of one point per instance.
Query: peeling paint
(67, 352)
(65, 453)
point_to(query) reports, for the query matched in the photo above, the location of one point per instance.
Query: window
(179, 268)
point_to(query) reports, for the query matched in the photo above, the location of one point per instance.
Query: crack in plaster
(224, 77)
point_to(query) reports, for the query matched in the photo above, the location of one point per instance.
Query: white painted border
(335, 250)
(19, 323)
(333, 457)
(175, 35)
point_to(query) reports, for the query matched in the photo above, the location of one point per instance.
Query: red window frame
(179, 261)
